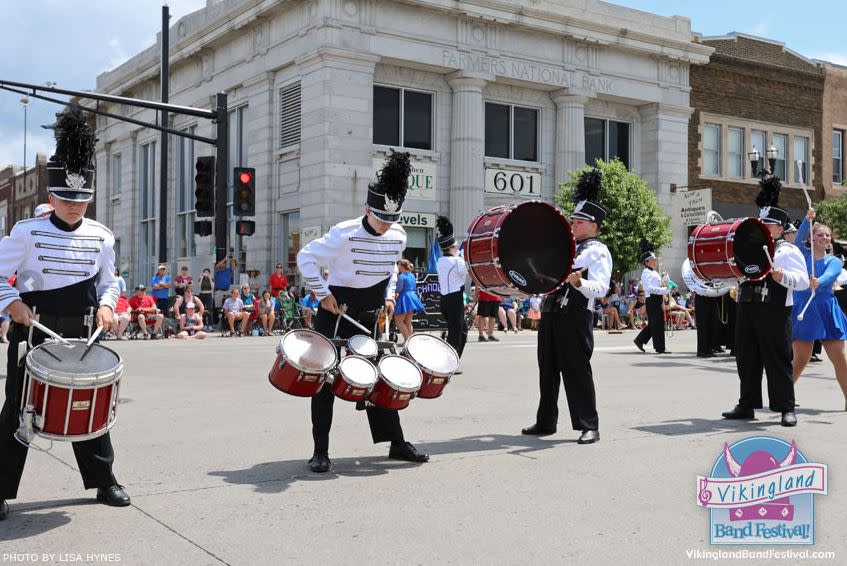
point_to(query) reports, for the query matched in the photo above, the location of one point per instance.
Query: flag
(434, 254)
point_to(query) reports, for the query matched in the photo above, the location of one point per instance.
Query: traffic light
(245, 227)
(204, 187)
(244, 200)
(203, 227)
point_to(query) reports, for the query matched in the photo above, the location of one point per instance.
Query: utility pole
(221, 119)
(163, 144)
(25, 102)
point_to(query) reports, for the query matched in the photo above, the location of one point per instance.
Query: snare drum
(304, 358)
(731, 250)
(361, 345)
(70, 393)
(524, 249)
(355, 376)
(399, 379)
(436, 359)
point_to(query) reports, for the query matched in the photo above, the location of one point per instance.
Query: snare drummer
(565, 337)
(66, 269)
(361, 255)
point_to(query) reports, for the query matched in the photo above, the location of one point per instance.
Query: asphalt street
(215, 461)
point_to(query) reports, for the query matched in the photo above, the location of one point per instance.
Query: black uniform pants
(708, 321)
(385, 424)
(453, 311)
(763, 341)
(94, 457)
(728, 315)
(565, 345)
(655, 328)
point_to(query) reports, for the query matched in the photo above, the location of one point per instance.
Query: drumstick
(49, 332)
(94, 337)
(768, 255)
(355, 323)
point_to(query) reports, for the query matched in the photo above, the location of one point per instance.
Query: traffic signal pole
(221, 168)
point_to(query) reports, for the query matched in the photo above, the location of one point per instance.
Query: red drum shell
(730, 250)
(395, 389)
(354, 379)
(288, 379)
(305, 359)
(520, 249)
(82, 403)
(437, 361)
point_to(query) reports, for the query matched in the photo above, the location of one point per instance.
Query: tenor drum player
(763, 327)
(361, 255)
(565, 337)
(65, 265)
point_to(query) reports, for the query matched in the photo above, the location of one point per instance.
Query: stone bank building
(496, 102)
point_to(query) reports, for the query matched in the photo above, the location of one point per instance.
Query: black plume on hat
(769, 189)
(75, 141)
(446, 240)
(586, 196)
(646, 249)
(386, 195)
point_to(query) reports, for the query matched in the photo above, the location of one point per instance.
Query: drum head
(362, 345)
(400, 373)
(358, 371)
(55, 359)
(536, 247)
(433, 354)
(308, 351)
(747, 244)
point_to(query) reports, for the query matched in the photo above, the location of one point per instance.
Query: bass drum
(731, 250)
(520, 249)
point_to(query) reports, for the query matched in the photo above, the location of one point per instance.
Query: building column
(467, 149)
(570, 133)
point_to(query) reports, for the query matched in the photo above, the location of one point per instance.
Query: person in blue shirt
(224, 276)
(823, 320)
(310, 304)
(161, 288)
(408, 302)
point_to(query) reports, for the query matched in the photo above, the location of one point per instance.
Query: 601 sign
(504, 181)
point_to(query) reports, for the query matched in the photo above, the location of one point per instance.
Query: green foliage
(833, 213)
(633, 210)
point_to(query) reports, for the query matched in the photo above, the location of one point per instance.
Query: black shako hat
(387, 193)
(646, 250)
(446, 240)
(586, 195)
(70, 175)
(768, 199)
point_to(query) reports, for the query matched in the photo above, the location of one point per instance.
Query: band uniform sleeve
(793, 265)
(317, 253)
(652, 283)
(596, 283)
(12, 251)
(391, 288)
(107, 283)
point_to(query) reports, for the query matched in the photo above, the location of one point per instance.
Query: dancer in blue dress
(408, 302)
(823, 319)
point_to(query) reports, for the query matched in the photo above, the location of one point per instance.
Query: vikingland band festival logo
(760, 491)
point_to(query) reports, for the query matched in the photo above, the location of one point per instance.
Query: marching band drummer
(361, 255)
(565, 337)
(763, 327)
(66, 267)
(655, 287)
(452, 272)
(706, 306)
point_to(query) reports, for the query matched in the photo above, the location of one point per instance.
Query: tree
(633, 211)
(833, 213)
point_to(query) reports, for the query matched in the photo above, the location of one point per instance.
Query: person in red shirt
(121, 317)
(278, 282)
(144, 309)
(486, 311)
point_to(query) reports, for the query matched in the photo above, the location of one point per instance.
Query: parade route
(215, 461)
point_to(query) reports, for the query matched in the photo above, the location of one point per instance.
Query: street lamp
(754, 157)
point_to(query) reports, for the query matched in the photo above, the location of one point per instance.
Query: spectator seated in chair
(267, 312)
(145, 312)
(234, 311)
(611, 304)
(310, 307)
(122, 318)
(182, 301)
(190, 324)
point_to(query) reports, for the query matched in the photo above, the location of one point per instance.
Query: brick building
(30, 189)
(834, 129)
(755, 92)
(7, 177)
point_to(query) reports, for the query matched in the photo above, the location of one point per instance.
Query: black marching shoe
(789, 419)
(4, 509)
(718, 350)
(114, 496)
(538, 430)
(739, 413)
(815, 358)
(664, 352)
(638, 345)
(406, 451)
(320, 463)
(492, 338)
(707, 355)
(589, 437)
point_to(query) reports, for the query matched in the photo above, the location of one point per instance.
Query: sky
(70, 42)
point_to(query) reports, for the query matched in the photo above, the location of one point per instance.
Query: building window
(403, 118)
(147, 197)
(237, 158)
(837, 156)
(289, 115)
(801, 153)
(116, 174)
(606, 140)
(735, 152)
(511, 132)
(712, 150)
(780, 142)
(290, 241)
(758, 140)
(185, 196)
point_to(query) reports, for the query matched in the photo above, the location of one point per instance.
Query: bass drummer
(362, 256)
(76, 277)
(565, 337)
